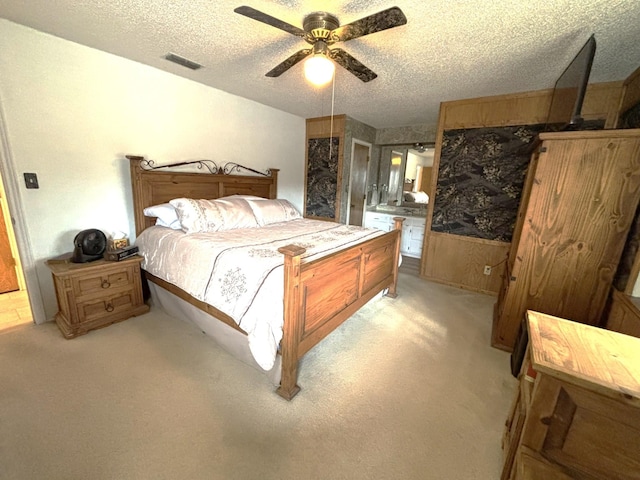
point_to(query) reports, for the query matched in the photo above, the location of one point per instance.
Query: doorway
(360, 154)
(16, 304)
(8, 270)
(14, 299)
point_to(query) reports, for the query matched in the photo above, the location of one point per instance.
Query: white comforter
(240, 272)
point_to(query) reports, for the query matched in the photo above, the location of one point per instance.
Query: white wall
(71, 113)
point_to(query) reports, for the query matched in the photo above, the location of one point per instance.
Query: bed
(415, 199)
(319, 290)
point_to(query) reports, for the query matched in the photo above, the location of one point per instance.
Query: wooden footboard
(321, 294)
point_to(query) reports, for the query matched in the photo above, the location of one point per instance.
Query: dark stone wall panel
(480, 180)
(322, 177)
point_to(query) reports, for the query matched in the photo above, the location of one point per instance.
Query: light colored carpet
(408, 388)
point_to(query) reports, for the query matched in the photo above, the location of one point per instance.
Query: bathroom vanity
(412, 227)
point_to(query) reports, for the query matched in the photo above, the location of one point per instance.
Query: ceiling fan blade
(269, 20)
(288, 63)
(389, 18)
(345, 60)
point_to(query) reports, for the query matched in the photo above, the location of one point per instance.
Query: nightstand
(96, 294)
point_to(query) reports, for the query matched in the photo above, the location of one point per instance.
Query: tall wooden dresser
(577, 206)
(576, 414)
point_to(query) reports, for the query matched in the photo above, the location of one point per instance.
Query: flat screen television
(568, 93)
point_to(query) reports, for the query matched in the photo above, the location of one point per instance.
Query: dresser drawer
(530, 466)
(511, 435)
(105, 306)
(102, 282)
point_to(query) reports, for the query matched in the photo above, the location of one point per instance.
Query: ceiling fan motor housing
(320, 24)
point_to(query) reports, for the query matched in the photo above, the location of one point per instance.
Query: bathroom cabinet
(412, 230)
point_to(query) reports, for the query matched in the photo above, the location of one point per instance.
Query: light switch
(31, 180)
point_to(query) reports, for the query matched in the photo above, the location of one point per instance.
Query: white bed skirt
(230, 339)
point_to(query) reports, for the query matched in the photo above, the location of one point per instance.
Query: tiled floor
(14, 309)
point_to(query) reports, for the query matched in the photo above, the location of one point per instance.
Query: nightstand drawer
(103, 282)
(105, 306)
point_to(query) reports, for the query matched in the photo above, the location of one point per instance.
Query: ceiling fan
(321, 30)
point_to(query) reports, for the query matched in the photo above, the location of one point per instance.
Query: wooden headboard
(152, 186)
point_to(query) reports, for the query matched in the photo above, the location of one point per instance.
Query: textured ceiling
(448, 50)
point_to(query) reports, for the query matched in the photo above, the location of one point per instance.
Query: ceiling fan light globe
(319, 70)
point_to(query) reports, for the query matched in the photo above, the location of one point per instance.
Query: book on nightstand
(120, 253)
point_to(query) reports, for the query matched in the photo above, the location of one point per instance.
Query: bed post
(136, 182)
(273, 189)
(396, 258)
(292, 329)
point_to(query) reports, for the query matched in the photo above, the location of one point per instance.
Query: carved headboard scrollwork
(227, 169)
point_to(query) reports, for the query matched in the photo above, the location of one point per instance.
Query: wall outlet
(487, 270)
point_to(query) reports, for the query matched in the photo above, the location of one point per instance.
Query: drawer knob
(109, 307)
(105, 284)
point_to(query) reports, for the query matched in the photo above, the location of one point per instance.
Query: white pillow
(214, 215)
(269, 211)
(422, 197)
(165, 214)
(416, 197)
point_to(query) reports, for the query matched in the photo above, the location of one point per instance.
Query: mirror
(405, 175)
